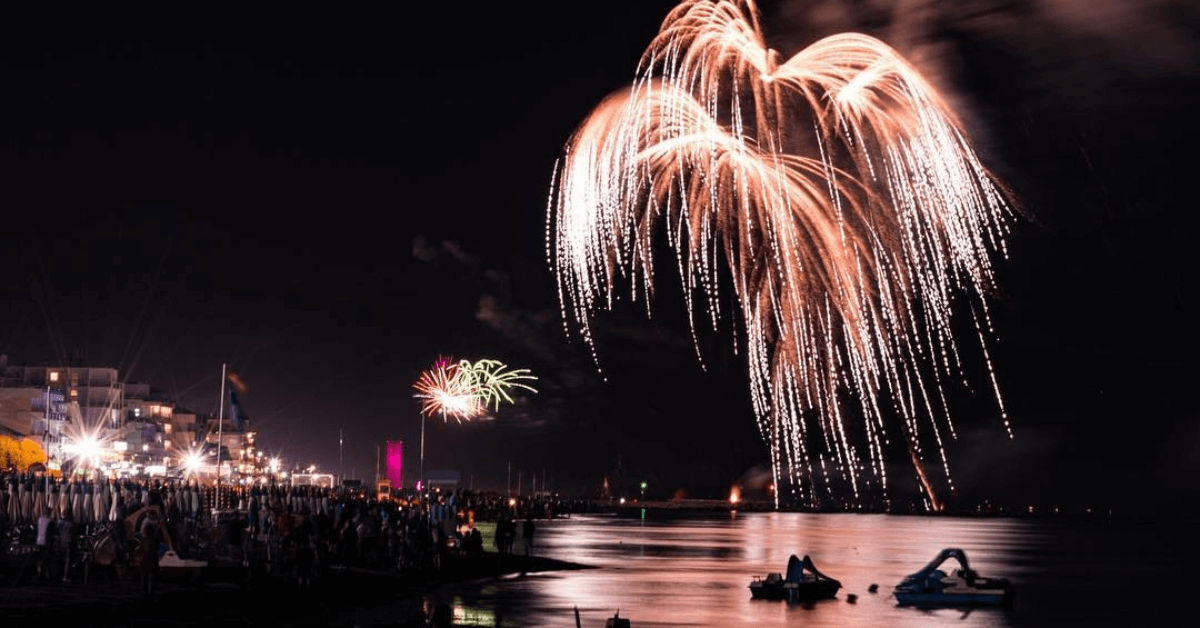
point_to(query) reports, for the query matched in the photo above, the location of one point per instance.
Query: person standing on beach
(44, 530)
(305, 554)
(498, 536)
(528, 534)
(510, 534)
(65, 533)
(151, 537)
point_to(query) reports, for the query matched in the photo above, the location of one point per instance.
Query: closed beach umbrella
(63, 504)
(99, 502)
(25, 493)
(88, 498)
(76, 502)
(14, 503)
(39, 503)
(114, 504)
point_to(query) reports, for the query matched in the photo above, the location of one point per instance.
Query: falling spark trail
(841, 194)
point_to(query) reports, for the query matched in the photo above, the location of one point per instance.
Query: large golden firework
(841, 193)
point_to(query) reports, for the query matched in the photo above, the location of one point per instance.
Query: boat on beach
(616, 621)
(171, 565)
(803, 582)
(932, 586)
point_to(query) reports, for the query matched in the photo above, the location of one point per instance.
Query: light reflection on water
(695, 571)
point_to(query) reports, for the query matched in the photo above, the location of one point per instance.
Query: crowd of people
(56, 529)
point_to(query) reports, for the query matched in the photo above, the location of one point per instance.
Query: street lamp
(192, 462)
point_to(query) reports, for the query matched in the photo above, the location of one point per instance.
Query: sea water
(696, 570)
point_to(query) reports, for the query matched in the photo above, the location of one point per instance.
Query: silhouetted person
(151, 537)
(476, 542)
(528, 534)
(306, 553)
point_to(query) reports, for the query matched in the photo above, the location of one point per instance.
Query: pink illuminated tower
(395, 459)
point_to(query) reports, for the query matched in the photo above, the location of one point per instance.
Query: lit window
(74, 393)
(54, 376)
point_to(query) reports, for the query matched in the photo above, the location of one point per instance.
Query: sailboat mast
(220, 435)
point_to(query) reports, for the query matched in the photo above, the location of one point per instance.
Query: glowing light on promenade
(193, 461)
(86, 444)
(841, 194)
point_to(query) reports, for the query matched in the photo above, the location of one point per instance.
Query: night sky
(329, 213)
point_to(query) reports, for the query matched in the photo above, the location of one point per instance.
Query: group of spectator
(272, 529)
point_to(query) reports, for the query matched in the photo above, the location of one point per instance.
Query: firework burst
(465, 389)
(447, 389)
(491, 381)
(842, 195)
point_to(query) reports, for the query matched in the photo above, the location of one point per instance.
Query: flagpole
(421, 470)
(58, 441)
(220, 434)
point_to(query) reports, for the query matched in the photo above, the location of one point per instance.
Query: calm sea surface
(695, 572)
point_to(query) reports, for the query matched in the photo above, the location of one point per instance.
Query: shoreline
(343, 596)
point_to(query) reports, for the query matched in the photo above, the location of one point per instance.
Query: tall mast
(220, 434)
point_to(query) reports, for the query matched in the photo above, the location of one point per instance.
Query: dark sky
(327, 210)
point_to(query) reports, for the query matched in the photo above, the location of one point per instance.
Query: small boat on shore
(171, 565)
(803, 582)
(962, 587)
(616, 621)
